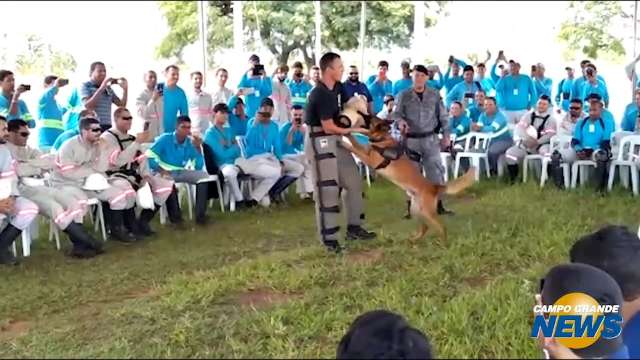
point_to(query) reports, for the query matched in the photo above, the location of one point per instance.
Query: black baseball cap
(582, 278)
(254, 58)
(381, 334)
(267, 101)
(421, 68)
(594, 97)
(467, 68)
(568, 68)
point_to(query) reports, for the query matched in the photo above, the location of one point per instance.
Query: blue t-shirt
(631, 336)
(174, 103)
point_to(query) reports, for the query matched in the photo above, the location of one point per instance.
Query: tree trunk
(309, 60)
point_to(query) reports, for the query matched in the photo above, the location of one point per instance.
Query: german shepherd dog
(389, 158)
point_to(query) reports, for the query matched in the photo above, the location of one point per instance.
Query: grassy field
(257, 284)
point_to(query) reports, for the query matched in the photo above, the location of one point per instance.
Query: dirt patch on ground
(366, 257)
(476, 281)
(11, 329)
(139, 294)
(263, 297)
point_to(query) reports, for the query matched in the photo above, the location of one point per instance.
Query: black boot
(173, 207)
(442, 210)
(145, 218)
(118, 231)
(131, 223)
(513, 173)
(280, 186)
(407, 215)
(7, 237)
(333, 246)
(106, 214)
(555, 171)
(84, 245)
(202, 199)
(356, 232)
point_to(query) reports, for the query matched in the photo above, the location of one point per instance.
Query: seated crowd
(255, 136)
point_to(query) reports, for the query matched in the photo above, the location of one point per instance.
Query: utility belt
(318, 131)
(131, 175)
(420, 135)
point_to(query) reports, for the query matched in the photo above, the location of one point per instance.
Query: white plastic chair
(557, 142)
(25, 238)
(360, 164)
(475, 153)
(625, 160)
(446, 163)
(531, 158)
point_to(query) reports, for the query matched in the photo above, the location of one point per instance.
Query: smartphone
(146, 126)
(26, 87)
(468, 95)
(258, 69)
(64, 82)
(114, 81)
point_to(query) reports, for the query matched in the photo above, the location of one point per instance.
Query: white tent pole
(418, 32)
(363, 26)
(318, 42)
(202, 22)
(238, 40)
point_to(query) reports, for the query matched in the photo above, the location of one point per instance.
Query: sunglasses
(95, 130)
(127, 118)
(574, 108)
(24, 133)
(353, 73)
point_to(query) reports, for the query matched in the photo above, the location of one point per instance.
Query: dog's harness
(388, 154)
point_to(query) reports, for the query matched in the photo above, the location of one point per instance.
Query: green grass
(184, 294)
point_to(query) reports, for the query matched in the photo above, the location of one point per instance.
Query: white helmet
(5, 187)
(33, 182)
(144, 197)
(96, 182)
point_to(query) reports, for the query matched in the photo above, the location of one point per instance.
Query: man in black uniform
(326, 155)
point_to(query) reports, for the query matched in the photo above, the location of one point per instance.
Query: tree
(287, 27)
(588, 31)
(40, 58)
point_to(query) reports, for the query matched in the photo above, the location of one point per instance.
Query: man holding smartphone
(149, 105)
(292, 140)
(255, 86)
(50, 112)
(11, 106)
(97, 94)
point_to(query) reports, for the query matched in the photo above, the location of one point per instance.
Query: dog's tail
(461, 183)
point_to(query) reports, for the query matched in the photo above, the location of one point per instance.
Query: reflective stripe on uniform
(495, 125)
(52, 123)
(162, 164)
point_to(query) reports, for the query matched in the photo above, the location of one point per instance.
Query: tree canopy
(285, 27)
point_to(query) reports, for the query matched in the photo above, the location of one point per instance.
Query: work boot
(333, 246)
(82, 241)
(407, 215)
(173, 208)
(202, 200)
(356, 232)
(279, 187)
(145, 218)
(513, 173)
(442, 210)
(118, 231)
(7, 258)
(131, 223)
(7, 237)
(555, 170)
